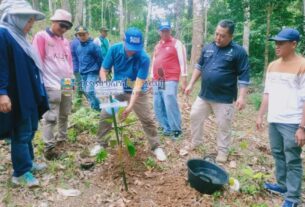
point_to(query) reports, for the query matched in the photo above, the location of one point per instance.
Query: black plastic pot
(205, 176)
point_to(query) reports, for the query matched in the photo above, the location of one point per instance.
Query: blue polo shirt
(126, 68)
(222, 68)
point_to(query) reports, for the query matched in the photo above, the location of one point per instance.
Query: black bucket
(205, 176)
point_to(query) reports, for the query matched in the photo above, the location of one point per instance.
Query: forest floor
(151, 183)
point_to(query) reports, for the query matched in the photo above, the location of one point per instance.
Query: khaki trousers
(143, 111)
(224, 113)
(60, 108)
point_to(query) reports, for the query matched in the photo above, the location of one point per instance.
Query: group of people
(31, 78)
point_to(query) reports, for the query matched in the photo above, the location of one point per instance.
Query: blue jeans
(22, 152)
(88, 83)
(288, 163)
(166, 107)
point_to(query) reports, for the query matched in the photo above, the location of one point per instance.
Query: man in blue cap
(131, 64)
(169, 65)
(284, 98)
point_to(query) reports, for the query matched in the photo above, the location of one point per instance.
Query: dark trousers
(21, 147)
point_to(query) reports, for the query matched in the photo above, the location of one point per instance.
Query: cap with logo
(133, 39)
(287, 34)
(81, 29)
(104, 29)
(165, 25)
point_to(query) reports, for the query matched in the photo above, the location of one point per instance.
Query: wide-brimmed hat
(62, 15)
(19, 7)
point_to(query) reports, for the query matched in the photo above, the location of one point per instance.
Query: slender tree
(269, 10)
(179, 7)
(78, 20)
(303, 13)
(197, 39)
(149, 8)
(51, 6)
(121, 15)
(65, 4)
(35, 4)
(246, 34)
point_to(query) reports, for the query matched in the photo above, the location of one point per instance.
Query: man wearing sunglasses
(56, 58)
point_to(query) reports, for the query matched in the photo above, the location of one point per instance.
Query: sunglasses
(65, 25)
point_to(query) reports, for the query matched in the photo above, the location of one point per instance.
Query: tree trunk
(149, 8)
(206, 9)
(121, 13)
(35, 4)
(51, 7)
(197, 38)
(246, 34)
(189, 9)
(65, 4)
(85, 13)
(89, 13)
(102, 13)
(126, 22)
(266, 53)
(304, 22)
(179, 7)
(78, 20)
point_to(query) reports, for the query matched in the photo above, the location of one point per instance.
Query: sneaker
(176, 135)
(222, 157)
(164, 133)
(27, 179)
(275, 188)
(52, 154)
(287, 203)
(160, 155)
(38, 166)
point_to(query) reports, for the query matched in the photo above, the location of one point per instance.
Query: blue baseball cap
(165, 25)
(287, 34)
(133, 39)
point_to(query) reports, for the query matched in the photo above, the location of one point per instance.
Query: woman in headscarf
(22, 94)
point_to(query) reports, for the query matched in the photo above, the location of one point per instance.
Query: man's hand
(183, 84)
(259, 123)
(300, 137)
(188, 89)
(5, 104)
(240, 103)
(126, 112)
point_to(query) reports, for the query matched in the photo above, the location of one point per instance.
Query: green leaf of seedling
(108, 121)
(130, 147)
(101, 156)
(248, 171)
(113, 143)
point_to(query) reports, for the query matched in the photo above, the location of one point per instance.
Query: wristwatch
(302, 127)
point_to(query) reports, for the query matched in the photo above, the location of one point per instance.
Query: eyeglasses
(65, 25)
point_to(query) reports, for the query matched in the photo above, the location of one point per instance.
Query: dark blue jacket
(20, 80)
(73, 45)
(89, 57)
